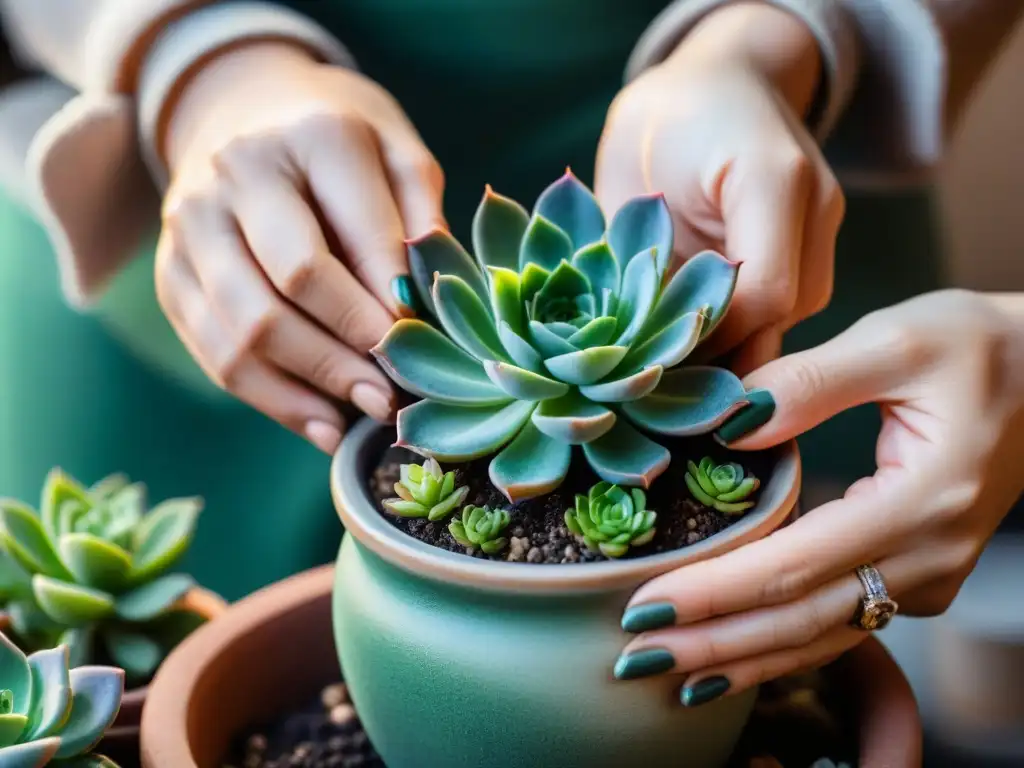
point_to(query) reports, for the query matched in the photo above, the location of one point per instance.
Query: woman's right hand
(293, 188)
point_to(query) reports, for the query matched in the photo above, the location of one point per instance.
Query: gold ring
(876, 608)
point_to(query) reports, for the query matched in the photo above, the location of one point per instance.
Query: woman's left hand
(947, 370)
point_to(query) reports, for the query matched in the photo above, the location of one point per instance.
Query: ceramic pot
(509, 665)
(218, 682)
(121, 741)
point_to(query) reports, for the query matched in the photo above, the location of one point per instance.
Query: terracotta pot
(121, 742)
(218, 682)
(432, 640)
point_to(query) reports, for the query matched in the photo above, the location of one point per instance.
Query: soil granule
(537, 531)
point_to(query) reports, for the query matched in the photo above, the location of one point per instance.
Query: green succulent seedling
(560, 332)
(722, 486)
(610, 519)
(481, 527)
(50, 715)
(92, 565)
(425, 491)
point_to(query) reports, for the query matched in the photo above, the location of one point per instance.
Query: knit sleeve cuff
(827, 20)
(185, 43)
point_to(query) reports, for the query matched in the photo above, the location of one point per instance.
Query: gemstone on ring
(877, 609)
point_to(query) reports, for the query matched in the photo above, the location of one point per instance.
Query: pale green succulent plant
(92, 565)
(726, 487)
(610, 519)
(481, 527)
(559, 333)
(50, 715)
(425, 491)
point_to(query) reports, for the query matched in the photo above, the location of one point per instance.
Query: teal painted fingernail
(760, 408)
(404, 292)
(704, 691)
(643, 618)
(651, 661)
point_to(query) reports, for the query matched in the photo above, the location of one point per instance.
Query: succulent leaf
(153, 598)
(705, 283)
(595, 333)
(58, 489)
(587, 365)
(466, 319)
(625, 457)
(599, 264)
(15, 581)
(505, 298)
(439, 252)
(523, 384)
(422, 360)
(71, 604)
(667, 348)
(51, 692)
(531, 465)
(425, 491)
(162, 537)
(451, 433)
(574, 209)
(726, 487)
(642, 224)
(11, 728)
(480, 527)
(520, 350)
(95, 700)
(498, 229)
(31, 754)
(632, 387)
(110, 485)
(136, 653)
(689, 401)
(544, 244)
(531, 279)
(15, 677)
(565, 281)
(27, 541)
(547, 342)
(573, 419)
(95, 562)
(611, 520)
(639, 292)
(79, 642)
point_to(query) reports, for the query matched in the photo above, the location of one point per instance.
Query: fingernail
(643, 618)
(373, 401)
(651, 661)
(760, 407)
(704, 691)
(404, 292)
(324, 436)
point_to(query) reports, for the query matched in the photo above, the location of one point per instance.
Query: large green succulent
(91, 563)
(726, 487)
(559, 333)
(611, 520)
(50, 715)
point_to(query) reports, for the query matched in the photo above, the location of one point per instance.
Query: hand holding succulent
(611, 520)
(722, 486)
(48, 713)
(560, 333)
(92, 560)
(425, 491)
(481, 527)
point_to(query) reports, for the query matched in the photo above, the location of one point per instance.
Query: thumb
(812, 386)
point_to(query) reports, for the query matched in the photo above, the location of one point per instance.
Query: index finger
(820, 546)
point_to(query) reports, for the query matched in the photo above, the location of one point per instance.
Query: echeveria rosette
(93, 561)
(610, 519)
(50, 715)
(425, 491)
(726, 487)
(560, 332)
(481, 527)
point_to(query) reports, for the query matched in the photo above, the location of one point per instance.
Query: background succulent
(611, 519)
(50, 714)
(726, 487)
(92, 563)
(425, 491)
(559, 333)
(481, 527)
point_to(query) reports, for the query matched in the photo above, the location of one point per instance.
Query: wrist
(246, 66)
(763, 38)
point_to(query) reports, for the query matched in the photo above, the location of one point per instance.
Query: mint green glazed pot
(456, 662)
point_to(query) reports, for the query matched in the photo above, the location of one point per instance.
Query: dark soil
(797, 723)
(537, 532)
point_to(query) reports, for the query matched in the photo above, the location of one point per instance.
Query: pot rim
(362, 519)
